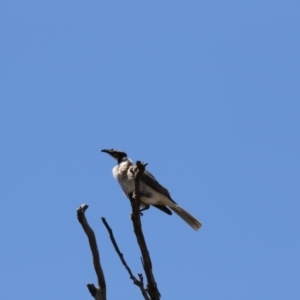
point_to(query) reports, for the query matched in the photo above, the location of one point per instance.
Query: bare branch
(136, 220)
(92, 289)
(97, 293)
(137, 282)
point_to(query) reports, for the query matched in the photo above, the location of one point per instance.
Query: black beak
(106, 151)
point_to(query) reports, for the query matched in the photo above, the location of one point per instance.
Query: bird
(151, 191)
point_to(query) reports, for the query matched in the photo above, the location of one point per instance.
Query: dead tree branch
(152, 288)
(137, 282)
(100, 292)
(149, 293)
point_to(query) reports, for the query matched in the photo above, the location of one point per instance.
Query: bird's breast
(127, 182)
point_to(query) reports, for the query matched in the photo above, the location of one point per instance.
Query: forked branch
(137, 282)
(100, 292)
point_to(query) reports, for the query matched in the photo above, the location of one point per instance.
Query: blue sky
(206, 92)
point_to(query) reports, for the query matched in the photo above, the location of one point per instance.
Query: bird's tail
(188, 218)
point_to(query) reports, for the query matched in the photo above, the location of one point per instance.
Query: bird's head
(116, 154)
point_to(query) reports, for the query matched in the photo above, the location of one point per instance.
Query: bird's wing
(163, 208)
(150, 180)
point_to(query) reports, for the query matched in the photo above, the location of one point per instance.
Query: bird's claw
(132, 215)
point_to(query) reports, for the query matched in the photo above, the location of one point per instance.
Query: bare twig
(100, 292)
(136, 220)
(137, 282)
(92, 289)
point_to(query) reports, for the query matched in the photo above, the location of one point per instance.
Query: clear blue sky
(206, 92)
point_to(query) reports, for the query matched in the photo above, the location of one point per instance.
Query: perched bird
(152, 192)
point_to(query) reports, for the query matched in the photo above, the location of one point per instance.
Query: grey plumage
(152, 192)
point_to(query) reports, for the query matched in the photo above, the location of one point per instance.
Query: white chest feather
(125, 179)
